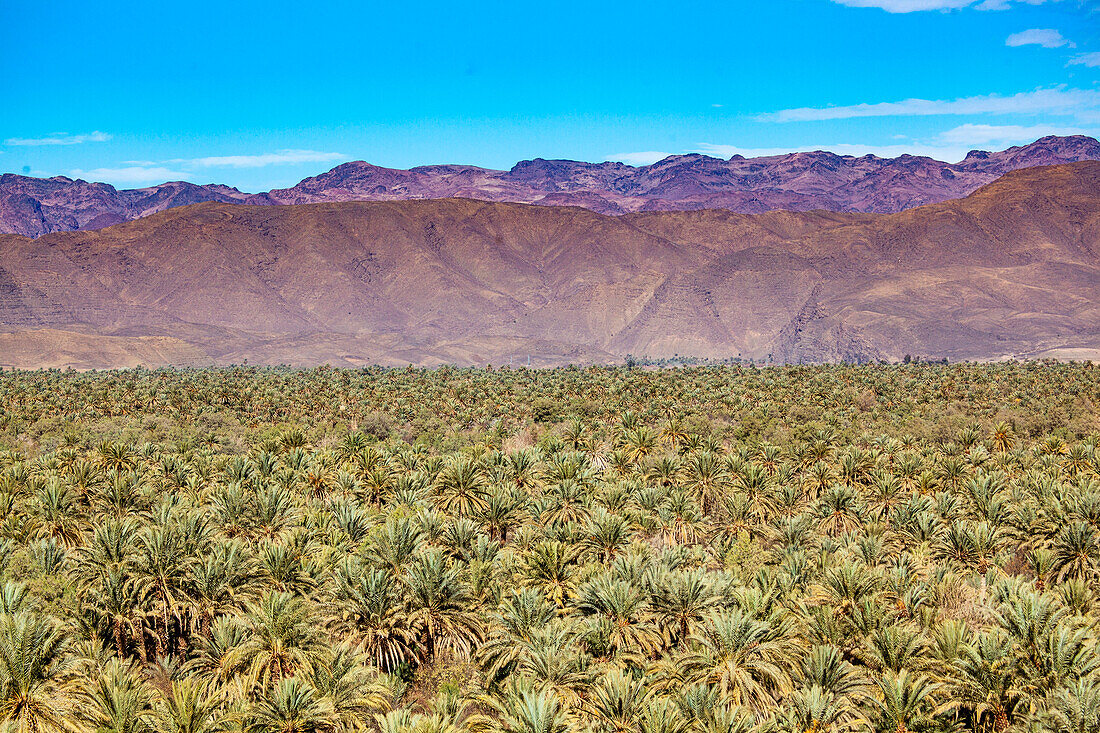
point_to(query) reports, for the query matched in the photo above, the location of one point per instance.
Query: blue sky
(262, 94)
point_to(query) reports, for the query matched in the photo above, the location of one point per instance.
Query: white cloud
(640, 158)
(132, 172)
(1045, 37)
(1056, 101)
(907, 6)
(932, 150)
(1004, 135)
(1091, 60)
(1006, 4)
(912, 6)
(951, 145)
(281, 157)
(129, 175)
(60, 138)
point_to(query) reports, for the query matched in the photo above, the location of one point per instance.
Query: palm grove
(709, 549)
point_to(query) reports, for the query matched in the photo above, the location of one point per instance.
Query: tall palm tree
(531, 712)
(344, 682)
(282, 638)
(291, 706)
(824, 667)
(707, 476)
(117, 700)
(218, 582)
(623, 606)
(681, 600)
(616, 703)
(393, 545)
(161, 569)
(983, 681)
(461, 487)
(1076, 707)
(550, 567)
(839, 510)
(894, 648)
(607, 534)
(550, 660)
(36, 693)
(117, 600)
(815, 709)
(368, 605)
(746, 659)
(905, 703)
(192, 705)
(517, 619)
(440, 606)
(1077, 552)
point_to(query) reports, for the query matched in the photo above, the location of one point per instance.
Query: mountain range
(1011, 270)
(801, 181)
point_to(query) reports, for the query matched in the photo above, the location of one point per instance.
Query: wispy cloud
(1045, 37)
(129, 174)
(1006, 4)
(913, 6)
(1055, 101)
(1005, 135)
(939, 152)
(907, 6)
(951, 145)
(280, 157)
(60, 138)
(645, 157)
(1091, 60)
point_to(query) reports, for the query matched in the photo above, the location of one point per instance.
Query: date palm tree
(220, 581)
(616, 703)
(623, 606)
(905, 703)
(116, 599)
(36, 690)
(346, 685)
(745, 658)
(394, 544)
(161, 569)
(517, 619)
(680, 601)
(549, 566)
(461, 488)
(1076, 707)
(1076, 552)
(440, 607)
(116, 700)
(839, 510)
(982, 681)
(290, 706)
(282, 638)
(368, 606)
(607, 534)
(531, 712)
(192, 705)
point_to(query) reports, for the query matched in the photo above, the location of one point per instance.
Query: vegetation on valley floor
(718, 548)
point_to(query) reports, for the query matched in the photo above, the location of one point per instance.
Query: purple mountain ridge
(795, 182)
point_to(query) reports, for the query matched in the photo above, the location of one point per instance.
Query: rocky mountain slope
(796, 182)
(36, 206)
(1013, 269)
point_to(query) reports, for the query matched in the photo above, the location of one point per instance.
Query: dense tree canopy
(835, 548)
